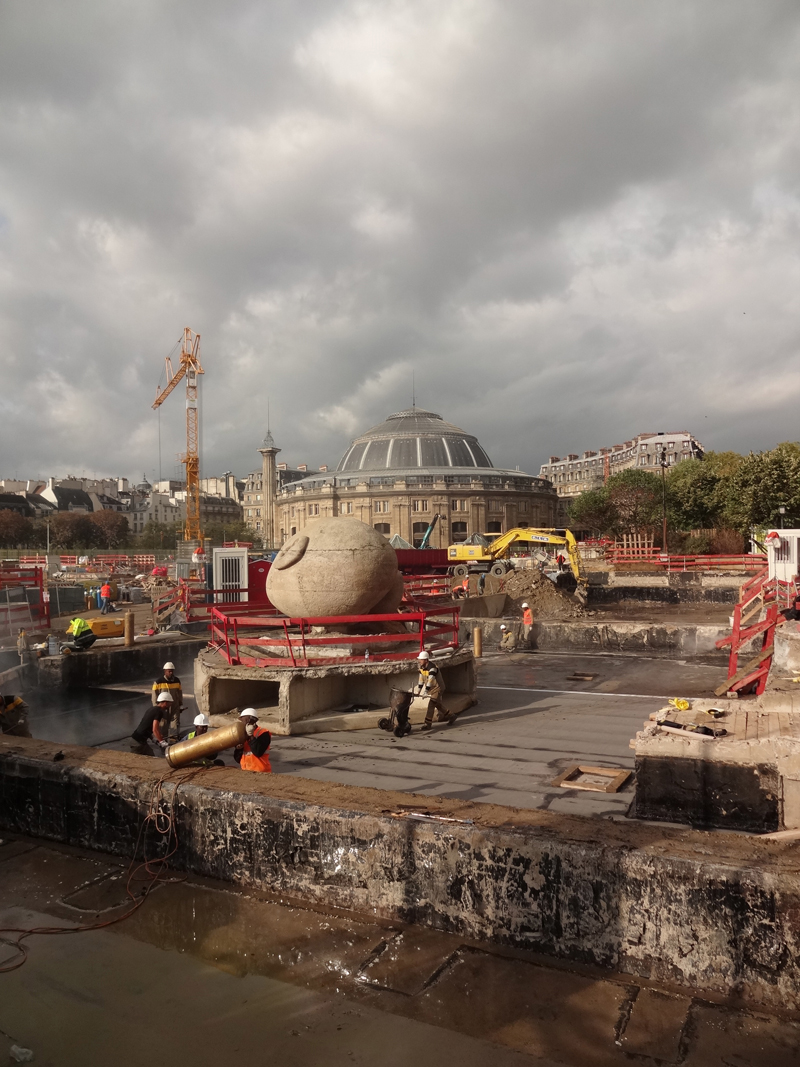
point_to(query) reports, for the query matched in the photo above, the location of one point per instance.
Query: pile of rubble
(545, 600)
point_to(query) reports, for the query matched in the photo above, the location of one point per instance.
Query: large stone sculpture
(335, 567)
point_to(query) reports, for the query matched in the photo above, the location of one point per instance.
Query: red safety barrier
(29, 611)
(747, 562)
(771, 594)
(245, 638)
(422, 587)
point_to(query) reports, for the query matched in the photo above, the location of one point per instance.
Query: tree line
(724, 492)
(106, 530)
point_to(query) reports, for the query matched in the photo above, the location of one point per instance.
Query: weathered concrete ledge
(662, 639)
(715, 913)
(101, 665)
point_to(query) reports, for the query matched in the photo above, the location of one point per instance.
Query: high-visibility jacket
(174, 688)
(430, 682)
(249, 760)
(527, 617)
(105, 591)
(78, 627)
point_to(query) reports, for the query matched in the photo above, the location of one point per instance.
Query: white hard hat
(247, 712)
(524, 604)
(423, 655)
(164, 698)
(201, 720)
(502, 626)
(168, 666)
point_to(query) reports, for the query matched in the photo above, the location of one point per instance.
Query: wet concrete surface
(204, 975)
(533, 720)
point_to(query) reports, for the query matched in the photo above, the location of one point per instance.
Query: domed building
(398, 475)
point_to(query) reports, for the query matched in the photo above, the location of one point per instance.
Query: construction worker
(105, 598)
(508, 639)
(430, 684)
(14, 716)
(200, 727)
(169, 682)
(527, 623)
(82, 636)
(253, 755)
(481, 583)
(155, 723)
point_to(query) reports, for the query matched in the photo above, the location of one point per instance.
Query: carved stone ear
(291, 553)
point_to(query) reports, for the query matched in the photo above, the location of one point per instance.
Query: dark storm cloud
(572, 222)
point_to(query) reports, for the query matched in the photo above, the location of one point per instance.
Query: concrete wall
(101, 666)
(591, 636)
(710, 912)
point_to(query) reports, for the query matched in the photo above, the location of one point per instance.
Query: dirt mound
(546, 601)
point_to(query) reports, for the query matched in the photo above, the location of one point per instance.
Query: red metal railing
(759, 591)
(109, 561)
(420, 587)
(747, 562)
(257, 639)
(30, 612)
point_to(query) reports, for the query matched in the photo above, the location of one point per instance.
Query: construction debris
(547, 601)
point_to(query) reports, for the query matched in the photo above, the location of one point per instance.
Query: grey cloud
(573, 224)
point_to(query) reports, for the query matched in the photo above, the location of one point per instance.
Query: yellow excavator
(495, 556)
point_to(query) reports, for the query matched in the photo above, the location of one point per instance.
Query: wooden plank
(742, 673)
(784, 723)
(780, 835)
(739, 729)
(752, 726)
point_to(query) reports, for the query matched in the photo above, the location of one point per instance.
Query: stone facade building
(398, 475)
(574, 474)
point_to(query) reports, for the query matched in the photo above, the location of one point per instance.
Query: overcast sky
(571, 221)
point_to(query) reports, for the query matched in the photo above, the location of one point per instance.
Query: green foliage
(230, 531)
(628, 502)
(696, 495)
(15, 529)
(157, 536)
(592, 511)
(763, 482)
(111, 529)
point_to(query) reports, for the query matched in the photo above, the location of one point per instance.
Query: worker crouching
(253, 755)
(508, 639)
(154, 725)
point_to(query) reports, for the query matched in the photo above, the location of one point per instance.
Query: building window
(348, 508)
(383, 528)
(313, 509)
(494, 527)
(459, 531)
(419, 505)
(292, 513)
(459, 505)
(523, 505)
(381, 506)
(495, 504)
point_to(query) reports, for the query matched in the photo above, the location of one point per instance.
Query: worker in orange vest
(253, 755)
(105, 598)
(527, 623)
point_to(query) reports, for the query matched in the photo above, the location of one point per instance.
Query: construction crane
(189, 368)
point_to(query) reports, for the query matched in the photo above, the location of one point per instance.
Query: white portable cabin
(782, 554)
(230, 573)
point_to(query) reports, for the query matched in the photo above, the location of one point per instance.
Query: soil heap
(545, 600)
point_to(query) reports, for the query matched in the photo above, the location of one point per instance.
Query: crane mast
(188, 368)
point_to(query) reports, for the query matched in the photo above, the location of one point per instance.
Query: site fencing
(743, 562)
(255, 638)
(24, 601)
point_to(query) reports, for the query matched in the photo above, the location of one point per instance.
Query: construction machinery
(427, 537)
(188, 368)
(495, 556)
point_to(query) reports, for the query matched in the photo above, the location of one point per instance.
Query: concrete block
(655, 1025)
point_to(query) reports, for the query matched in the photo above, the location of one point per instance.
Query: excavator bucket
(581, 595)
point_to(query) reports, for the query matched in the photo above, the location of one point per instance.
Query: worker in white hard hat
(430, 684)
(253, 755)
(527, 623)
(508, 639)
(169, 682)
(155, 723)
(201, 726)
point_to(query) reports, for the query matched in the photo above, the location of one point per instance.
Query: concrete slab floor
(533, 720)
(204, 975)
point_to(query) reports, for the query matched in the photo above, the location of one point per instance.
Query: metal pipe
(128, 629)
(207, 744)
(477, 642)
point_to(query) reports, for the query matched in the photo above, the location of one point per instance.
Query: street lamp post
(664, 464)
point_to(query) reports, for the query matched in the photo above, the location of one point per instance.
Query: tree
(235, 530)
(592, 511)
(762, 483)
(111, 529)
(635, 497)
(15, 529)
(72, 529)
(158, 535)
(696, 495)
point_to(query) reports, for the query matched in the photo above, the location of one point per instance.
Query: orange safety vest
(527, 617)
(105, 590)
(251, 762)
(465, 585)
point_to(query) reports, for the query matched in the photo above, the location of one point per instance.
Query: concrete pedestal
(313, 699)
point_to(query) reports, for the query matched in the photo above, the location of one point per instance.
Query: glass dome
(413, 440)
